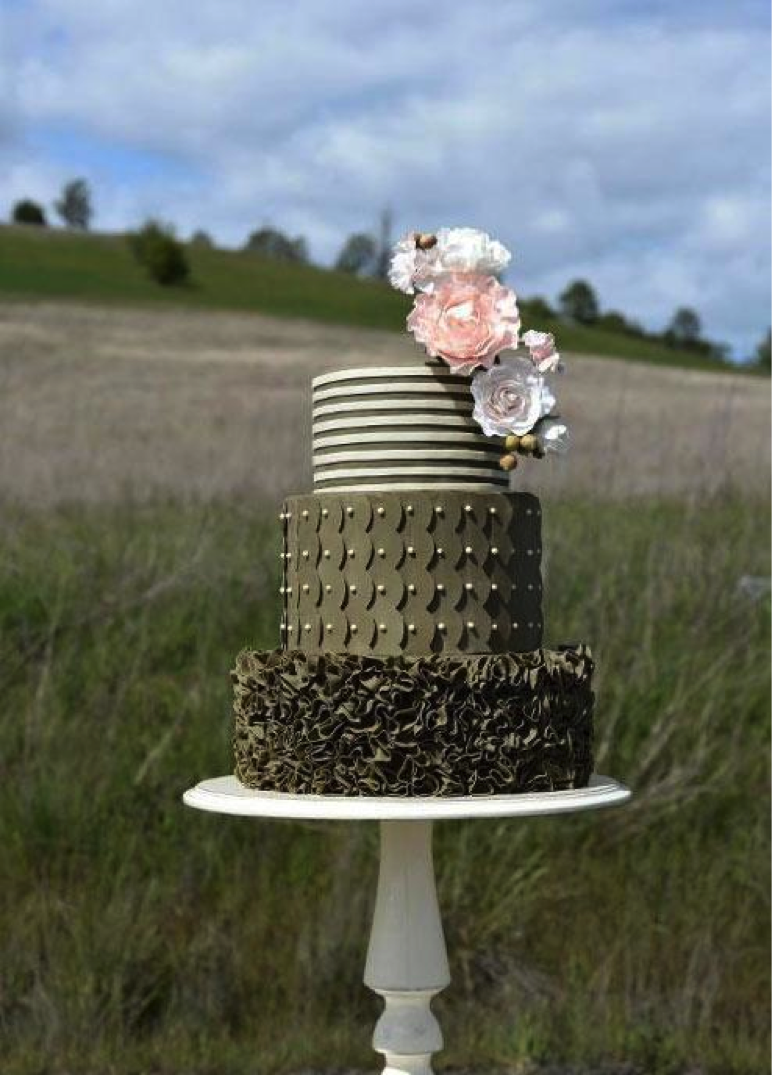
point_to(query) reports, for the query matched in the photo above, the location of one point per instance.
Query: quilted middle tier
(418, 572)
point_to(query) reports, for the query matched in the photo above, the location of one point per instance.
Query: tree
(74, 205)
(579, 303)
(763, 352)
(383, 255)
(537, 310)
(684, 328)
(272, 243)
(201, 239)
(358, 254)
(614, 321)
(28, 212)
(156, 247)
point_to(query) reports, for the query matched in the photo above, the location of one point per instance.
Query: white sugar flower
(456, 250)
(541, 347)
(404, 264)
(509, 398)
(468, 250)
(552, 434)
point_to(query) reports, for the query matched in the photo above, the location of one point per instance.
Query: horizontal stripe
(374, 373)
(408, 436)
(450, 420)
(417, 481)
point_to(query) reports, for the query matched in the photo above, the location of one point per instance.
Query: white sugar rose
(510, 398)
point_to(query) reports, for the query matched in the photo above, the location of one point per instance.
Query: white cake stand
(407, 963)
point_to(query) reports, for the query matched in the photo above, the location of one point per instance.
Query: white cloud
(632, 151)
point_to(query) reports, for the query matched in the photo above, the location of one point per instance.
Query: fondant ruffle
(343, 724)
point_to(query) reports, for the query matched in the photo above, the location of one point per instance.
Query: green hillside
(45, 263)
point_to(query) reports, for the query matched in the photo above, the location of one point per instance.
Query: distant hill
(50, 263)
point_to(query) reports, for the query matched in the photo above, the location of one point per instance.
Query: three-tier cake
(411, 658)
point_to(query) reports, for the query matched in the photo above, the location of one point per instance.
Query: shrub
(156, 247)
(28, 212)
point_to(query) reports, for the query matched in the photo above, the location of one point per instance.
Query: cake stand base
(407, 963)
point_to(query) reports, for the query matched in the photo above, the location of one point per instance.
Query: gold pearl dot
(349, 511)
(439, 509)
(468, 550)
(409, 509)
(381, 588)
(440, 550)
(328, 588)
(493, 511)
(351, 552)
(306, 587)
(529, 511)
(305, 513)
(325, 513)
(470, 624)
(411, 587)
(353, 589)
(288, 589)
(468, 585)
(307, 626)
(467, 508)
(381, 552)
(440, 626)
(328, 627)
(327, 554)
(494, 585)
(494, 551)
(494, 627)
(305, 554)
(529, 552)
(290, 628)
(382, 627)
(411, 628)
(410, 550)
(354, 628)
(381, 511)
(440, 587)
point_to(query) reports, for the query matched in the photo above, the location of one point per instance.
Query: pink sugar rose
(541, 347)
(466, 320)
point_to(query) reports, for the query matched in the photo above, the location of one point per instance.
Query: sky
(623, 141)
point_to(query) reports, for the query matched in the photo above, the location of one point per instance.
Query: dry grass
(102, 404)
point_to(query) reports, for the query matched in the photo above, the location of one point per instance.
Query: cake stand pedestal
(407, 963)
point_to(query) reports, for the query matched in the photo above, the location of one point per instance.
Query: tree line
(156, 247)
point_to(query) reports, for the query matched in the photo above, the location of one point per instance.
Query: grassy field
(55, 264)
(141, 937)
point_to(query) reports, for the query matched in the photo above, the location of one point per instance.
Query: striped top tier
(400, 427)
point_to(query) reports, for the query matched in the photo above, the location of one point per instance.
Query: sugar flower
(510, 398)
(456, 250)
(552, 434)
(466, 320)
(408, 263)
(468, 250)
(541, 347)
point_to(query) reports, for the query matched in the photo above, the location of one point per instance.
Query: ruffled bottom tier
(341, 724)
